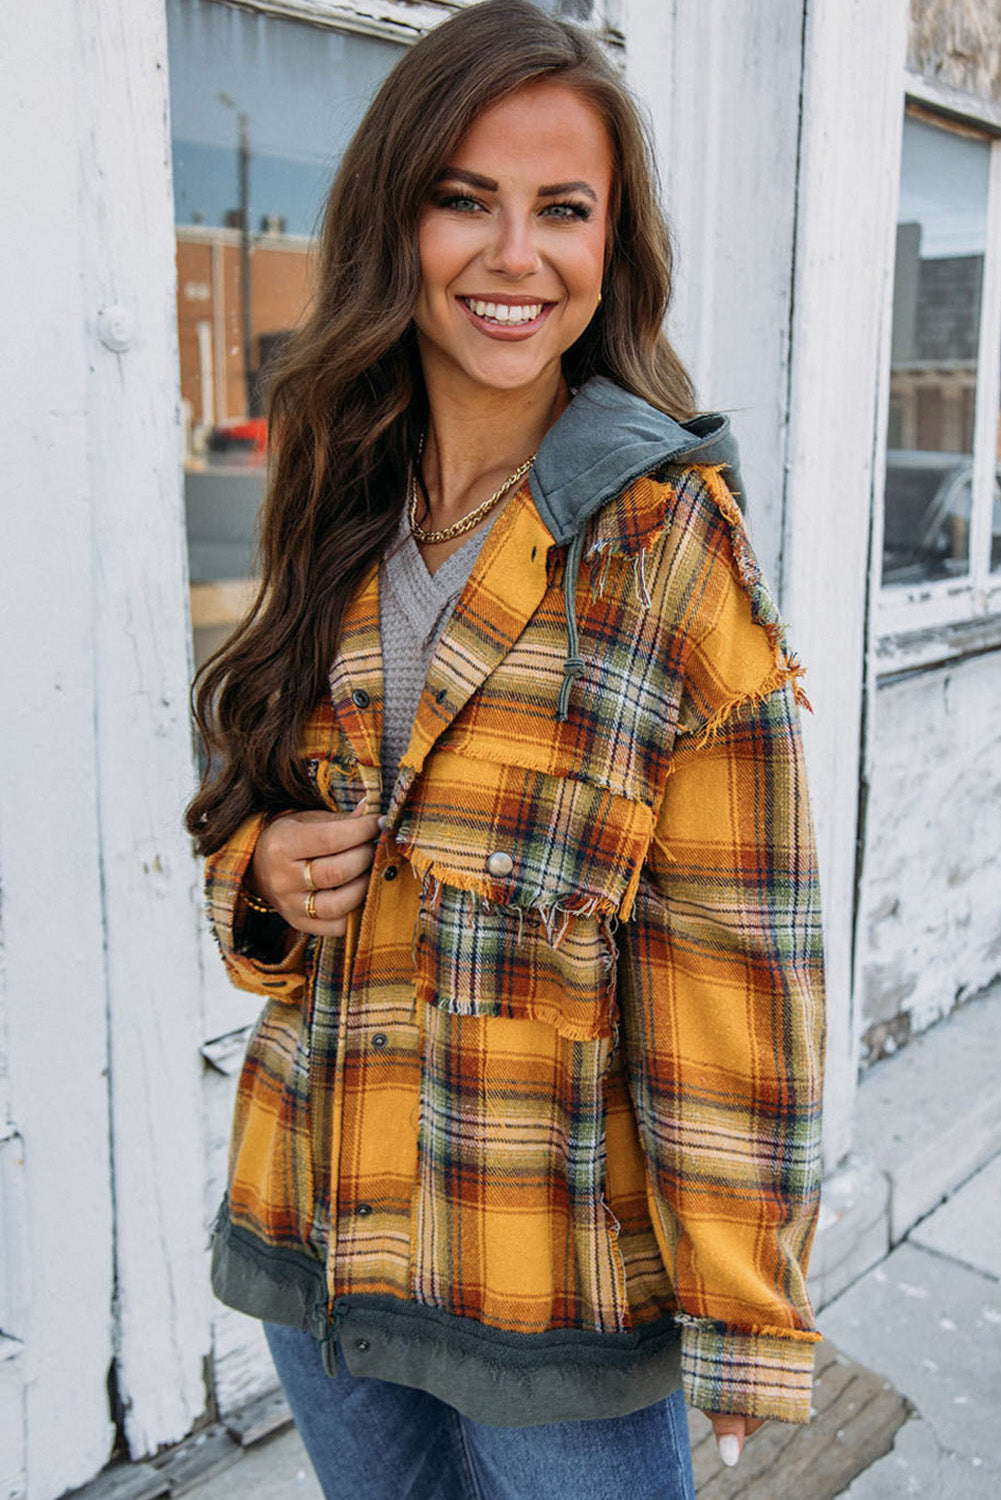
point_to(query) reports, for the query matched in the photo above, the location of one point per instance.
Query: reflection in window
(941, 240)
(261, 111)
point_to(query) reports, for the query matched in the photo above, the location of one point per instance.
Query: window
(942, 511)
(261, 111)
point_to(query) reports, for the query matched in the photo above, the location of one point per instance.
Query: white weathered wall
(54, 1149)
(101, 1141)
(932, 894)
(405, 20)
(930, 910)
(144, 768)
(721, 86)
(783, 198)
(846, 213)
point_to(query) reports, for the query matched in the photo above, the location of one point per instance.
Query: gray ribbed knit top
(414, 608)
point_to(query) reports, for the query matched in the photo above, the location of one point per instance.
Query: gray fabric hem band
(490, 1375)
(542, 1384)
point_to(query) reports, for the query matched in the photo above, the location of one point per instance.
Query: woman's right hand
(339, 849)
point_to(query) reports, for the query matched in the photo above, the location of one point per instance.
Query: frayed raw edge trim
(555, 915)
(546, 1015)
(625, 908)
(766, 1331)
(763, 608)
(786, 671)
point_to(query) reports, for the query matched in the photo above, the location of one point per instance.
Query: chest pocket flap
(522, 877)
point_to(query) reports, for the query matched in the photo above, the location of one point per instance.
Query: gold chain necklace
(468, 522)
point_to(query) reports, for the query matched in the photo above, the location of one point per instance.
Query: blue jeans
(369, 1439)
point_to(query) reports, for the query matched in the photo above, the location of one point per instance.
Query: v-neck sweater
(414, 607)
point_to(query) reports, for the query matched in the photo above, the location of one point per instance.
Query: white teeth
(502, 312)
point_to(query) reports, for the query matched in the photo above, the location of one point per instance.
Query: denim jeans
(369, 1439)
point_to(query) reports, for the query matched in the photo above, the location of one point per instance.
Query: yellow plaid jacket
(540, 1131)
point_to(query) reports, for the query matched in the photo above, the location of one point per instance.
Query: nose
(512, 250)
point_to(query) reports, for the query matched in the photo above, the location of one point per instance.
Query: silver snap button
(500, 864)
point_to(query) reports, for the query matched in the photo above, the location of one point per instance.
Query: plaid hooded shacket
(542, 1130)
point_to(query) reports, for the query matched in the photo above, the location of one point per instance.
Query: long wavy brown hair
(347, 402)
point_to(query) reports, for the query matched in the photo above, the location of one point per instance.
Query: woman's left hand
(730, 1434)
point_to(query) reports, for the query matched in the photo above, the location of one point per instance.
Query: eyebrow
(488, 185)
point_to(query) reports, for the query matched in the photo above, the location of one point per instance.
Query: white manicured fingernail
(382, 821)
(729, 1449)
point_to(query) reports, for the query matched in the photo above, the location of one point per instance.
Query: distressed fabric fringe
(787, 667)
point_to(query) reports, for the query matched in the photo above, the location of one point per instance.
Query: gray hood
(605, 439)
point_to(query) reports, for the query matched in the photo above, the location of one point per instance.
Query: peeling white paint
(931, 901)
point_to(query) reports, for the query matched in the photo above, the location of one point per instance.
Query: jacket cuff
(261, 953)
(267, 951)
(751, 1374)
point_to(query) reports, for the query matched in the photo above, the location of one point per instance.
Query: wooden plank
(846, 213)
(721, 84)
(143, 739)
(193, 1462)
(53, 979)
(857, 1414)
(404, 20)
(125, 1482)
(784, 206)
(260, 1419)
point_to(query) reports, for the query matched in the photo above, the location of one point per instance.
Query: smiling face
(512, 242)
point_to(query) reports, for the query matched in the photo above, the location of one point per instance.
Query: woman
(506, 817)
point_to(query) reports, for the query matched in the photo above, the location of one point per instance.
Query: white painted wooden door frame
(102, 985)
(777, 126)
(142, 653)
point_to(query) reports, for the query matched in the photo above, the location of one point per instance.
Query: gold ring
(311, 905)
(307, 875)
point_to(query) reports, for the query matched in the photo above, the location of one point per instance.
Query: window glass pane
(261, 111)
(941, 238)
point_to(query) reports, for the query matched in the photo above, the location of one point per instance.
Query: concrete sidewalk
(929, 1318)
(907, 1280)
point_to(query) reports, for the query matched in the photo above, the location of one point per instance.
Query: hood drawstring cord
(574, 665)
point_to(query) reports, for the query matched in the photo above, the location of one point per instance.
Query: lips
(506, 319)
(507, 314)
